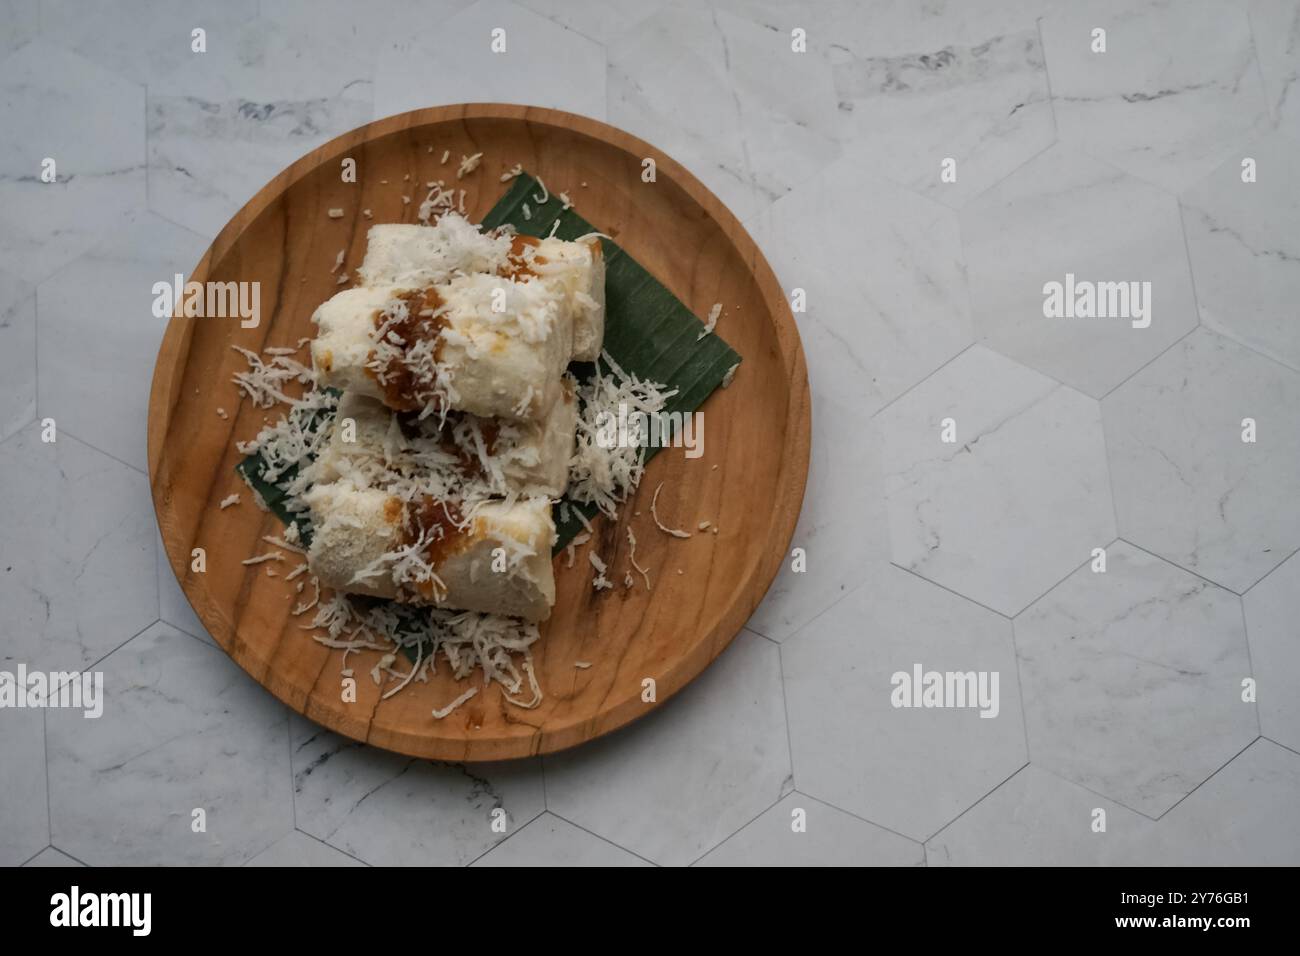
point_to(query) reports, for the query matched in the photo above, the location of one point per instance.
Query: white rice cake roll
(482, 344)
(414, 256)
(366, 541)
(576, 268)
(520, 458)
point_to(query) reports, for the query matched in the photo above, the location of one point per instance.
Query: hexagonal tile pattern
(543, 64)
(551, 841)
(681, 780)
(77, 574)
(1176, 90)
(1016, 501)
(1272, 610)
(1055, 218)
(1186, 486)
(1276, 28)
(911, 769)
(1245, 250)
(1247, 814)
(158, 48)
(829, 837)
(17, 354)
(183, 728)
(983, 106)
(1037, 819)
(298, 849)
(389, 810)
(19, 22)
(56, 105)
(98, 336)
(881, 270)
(208, 157)
(762, 118)
(842, 527)
(1132, 679)
(24, 823)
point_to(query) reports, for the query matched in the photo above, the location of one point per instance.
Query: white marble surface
(543, 64)
(390, 810)
(1177, 90)
(98, 334)
(57, 105)
(77, 552)
(984, 106)
(1245, 815)
(1038, 819)
(183, 729)
(17, 354)
(551, 841)
(761, 117)
(1016, 501)
(23, 799)
(1186, 486)
(842, 528)
(1133, 679)
(1245, 248)
(882, 272)
(924, 302)
(908, 769)
(298, 849)
(1276, 29)
(52, 857)
(1273, 623)
(829, 837)
(1066, 213)
(676, 783)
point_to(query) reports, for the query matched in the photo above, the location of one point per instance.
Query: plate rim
(787, 503)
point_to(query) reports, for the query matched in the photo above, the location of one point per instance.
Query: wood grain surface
(749, 483)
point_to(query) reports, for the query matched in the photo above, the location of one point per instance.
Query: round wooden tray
(749, 482)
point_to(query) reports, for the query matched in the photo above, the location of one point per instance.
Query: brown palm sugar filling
(402, 389)
(438, 523)
(518, 262)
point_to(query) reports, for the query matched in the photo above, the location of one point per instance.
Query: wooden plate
(749, 481)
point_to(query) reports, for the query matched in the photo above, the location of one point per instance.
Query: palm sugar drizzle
(423, 320)
(439, 524)
(519, 264)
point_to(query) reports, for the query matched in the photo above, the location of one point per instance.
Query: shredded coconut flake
(712, 323)
(229, 500)
(440, 712)
(654, 502)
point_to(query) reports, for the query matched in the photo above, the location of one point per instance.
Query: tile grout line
(127, 464)
(743, 826)
(310, 836)
(603, 839)
(1224, 766)
(785, 709)
(857, 816)
(1270, 573)
(994, 789)
(1047, 75)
